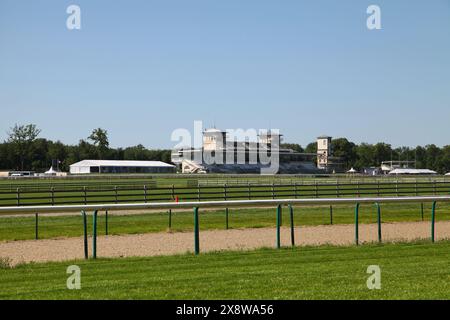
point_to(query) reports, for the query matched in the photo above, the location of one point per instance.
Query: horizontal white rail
(216, 204)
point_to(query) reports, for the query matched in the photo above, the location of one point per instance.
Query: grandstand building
(241, 156)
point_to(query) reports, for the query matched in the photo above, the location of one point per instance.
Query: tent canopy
(412, 171)
(51, 171)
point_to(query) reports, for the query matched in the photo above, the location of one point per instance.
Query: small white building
(120, 166)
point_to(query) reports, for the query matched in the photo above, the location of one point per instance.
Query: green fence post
(281, 218)
(196, 232)
(433, 221)
(94, 235)
(421, 206)
(225, 197)
(379, 221)
(145, 193)
(106, 222)
(331, 215)
(357, 224)
(291, 211)
(170, 219)
(226, 218)
(279, 212)
(86, 252)
(36, 227)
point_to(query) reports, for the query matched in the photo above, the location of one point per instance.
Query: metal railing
(31, 196)
(279, 203)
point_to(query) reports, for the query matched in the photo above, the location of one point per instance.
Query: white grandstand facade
(241, 156)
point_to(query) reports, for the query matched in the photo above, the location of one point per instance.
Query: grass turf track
(409, 271)
(110, 189)
(23, 228)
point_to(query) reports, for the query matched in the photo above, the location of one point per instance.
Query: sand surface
(154, 244)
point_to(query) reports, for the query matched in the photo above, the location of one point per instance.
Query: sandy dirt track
(178, 243)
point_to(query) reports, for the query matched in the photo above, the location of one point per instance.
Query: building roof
(270, 133)
(213, 130)
(412, 171)
(121, 163)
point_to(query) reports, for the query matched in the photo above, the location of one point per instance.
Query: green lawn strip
(409, 271)
(103, 189)
(23, 228)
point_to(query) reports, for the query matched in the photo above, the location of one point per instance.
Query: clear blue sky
(141, 69)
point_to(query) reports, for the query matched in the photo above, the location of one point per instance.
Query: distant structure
(54, 170)
(17, 174)
(323, 152)
(388, 166)
(119, 166)
(240, 156)
(372, 171)
(326, 162)
(413, 172)
(404, 168)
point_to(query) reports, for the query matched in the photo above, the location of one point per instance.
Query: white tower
(270, 137)
(323, 151)
(214, 139)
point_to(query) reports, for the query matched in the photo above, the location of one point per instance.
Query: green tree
(21, 138)
(136, 153)
(294, 146)
(345, 150)
(366, 156)
(100, 139)
(432, 158)
(311, 148)
(382, 152)
(444, 163)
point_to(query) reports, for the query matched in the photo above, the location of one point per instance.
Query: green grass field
(111, 189)
(408, 271)
(23, 228)
(209, 179)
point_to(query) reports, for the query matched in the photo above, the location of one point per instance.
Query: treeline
(24, 150)
(371, 155)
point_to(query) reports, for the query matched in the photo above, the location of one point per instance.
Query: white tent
(120, 166)
(351, 171)
(51, 172)
(448, 174)
(413, 171)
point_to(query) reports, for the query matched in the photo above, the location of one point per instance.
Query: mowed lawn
(408, 271)
(23, 228)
